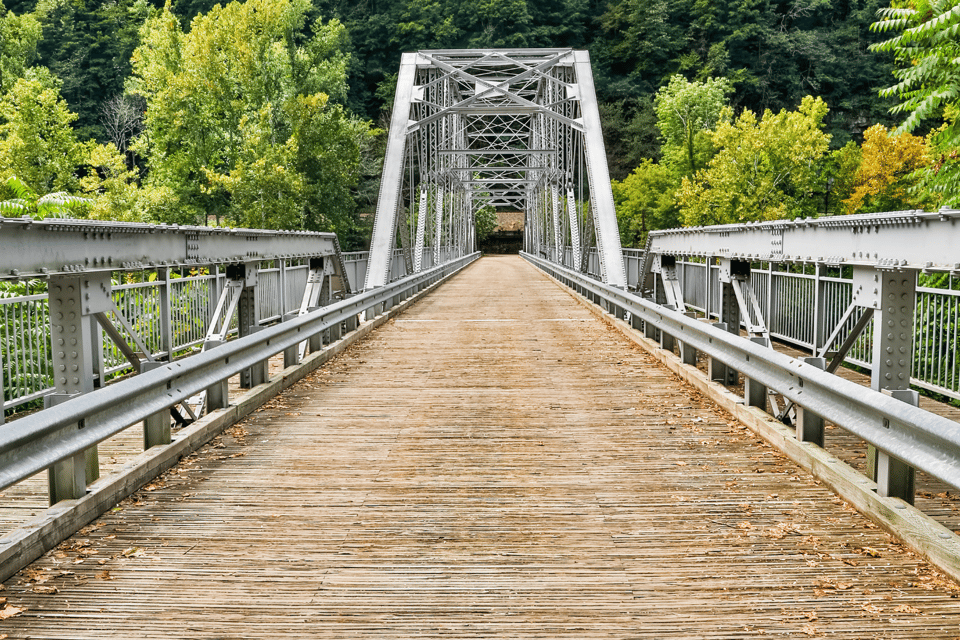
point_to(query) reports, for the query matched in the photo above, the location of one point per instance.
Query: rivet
(63, 367)
(76, 367)
(76, 380)
(888, 376)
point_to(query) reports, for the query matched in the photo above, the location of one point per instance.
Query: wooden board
(494, 463)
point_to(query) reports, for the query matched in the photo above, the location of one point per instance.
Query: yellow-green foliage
(765, 168)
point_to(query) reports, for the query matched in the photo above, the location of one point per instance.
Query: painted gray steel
(924, 440)
(45, 247)
(40, 440)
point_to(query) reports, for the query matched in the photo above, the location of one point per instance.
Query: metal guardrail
(802, 308)
(38, 441)
(919, 438)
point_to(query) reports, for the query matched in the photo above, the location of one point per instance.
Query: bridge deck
(493, 463)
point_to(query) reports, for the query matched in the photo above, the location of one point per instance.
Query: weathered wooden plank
(494, 463)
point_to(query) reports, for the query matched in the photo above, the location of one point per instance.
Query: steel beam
(48, 247)
(904, 239)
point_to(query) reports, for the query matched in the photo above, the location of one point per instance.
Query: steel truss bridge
(516, 129)
(494, 461)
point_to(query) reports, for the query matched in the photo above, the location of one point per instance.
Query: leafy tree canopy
(242, 121)
(765, 168)
(927, 49)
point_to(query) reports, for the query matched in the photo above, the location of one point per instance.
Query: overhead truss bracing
(512, 129)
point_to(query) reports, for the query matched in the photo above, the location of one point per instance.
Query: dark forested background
(774, 52)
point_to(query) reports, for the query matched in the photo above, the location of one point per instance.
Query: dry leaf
(905, 608)
(46, 590)
(870, 551)
(104, 575)
(680, 463)
(9, 611)
(132, 552)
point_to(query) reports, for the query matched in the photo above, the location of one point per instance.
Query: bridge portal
(516, 129)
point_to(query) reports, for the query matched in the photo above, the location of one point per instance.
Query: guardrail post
(67, 479)
(716, 370)
(218, 394)
(352, 322)
(754, 393)
(809, 424)
(688, 355)
(156, 428)
(291, 355)
(730, 316)
(667, 341)
(896, 478)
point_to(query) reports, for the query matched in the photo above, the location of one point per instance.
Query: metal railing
(802, 307)
(171, 314)
(919, 438)
(38, 441)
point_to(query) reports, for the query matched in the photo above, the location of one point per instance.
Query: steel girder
(505, 128)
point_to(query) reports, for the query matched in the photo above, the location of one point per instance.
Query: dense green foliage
(258, 113)
(927, 47)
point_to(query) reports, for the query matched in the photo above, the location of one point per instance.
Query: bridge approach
(496, 461)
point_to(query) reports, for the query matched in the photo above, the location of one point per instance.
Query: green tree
(686, 114)
(19, 35)
(886, 177)
(645, 200)
(37, 143)
(242, 119)
(928, 52)
(765, 169)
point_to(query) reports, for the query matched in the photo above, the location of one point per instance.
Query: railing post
(892, 295)
(248, 316)
(75, 338)
(688, 355)
(218, 394)
(754, 393)
(156, 428)
(896, 478)
(810, 425)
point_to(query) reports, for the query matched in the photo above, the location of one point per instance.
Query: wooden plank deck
(494, 463)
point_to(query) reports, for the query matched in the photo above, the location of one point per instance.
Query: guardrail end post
(896, 478)
(156, 428)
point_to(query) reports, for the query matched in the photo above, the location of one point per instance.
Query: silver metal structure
(906, 436)
(79, 260)
(516, 129)
(884, 253)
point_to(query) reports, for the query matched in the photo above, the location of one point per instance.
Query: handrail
(922, 439)
(38, 441)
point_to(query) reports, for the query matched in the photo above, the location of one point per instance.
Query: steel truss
(884, 252)
(79, 258)
(516, 129)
